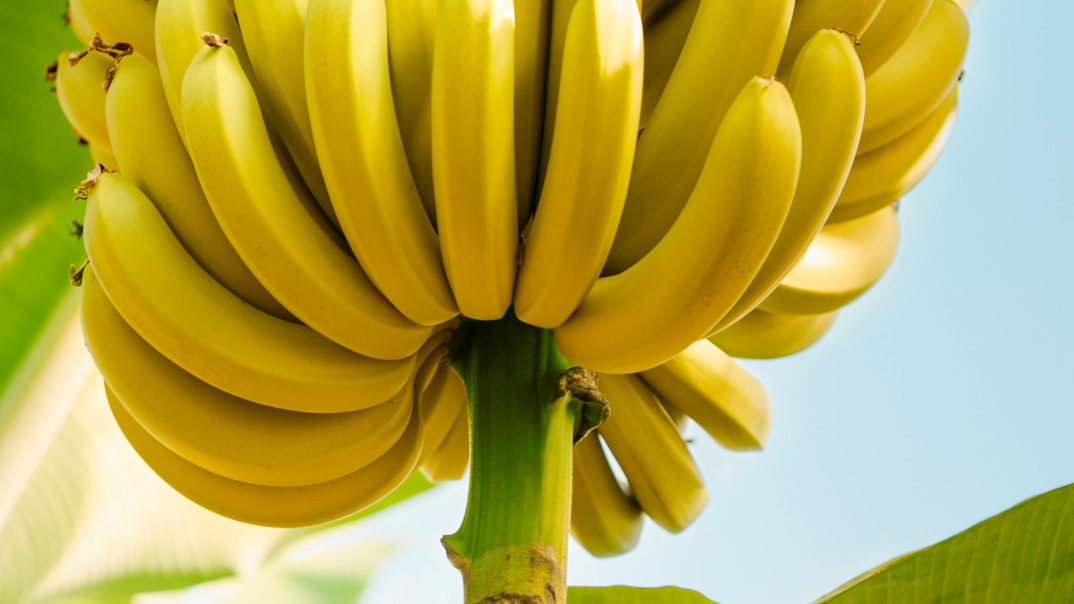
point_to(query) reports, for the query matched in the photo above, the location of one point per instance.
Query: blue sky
(941, 397)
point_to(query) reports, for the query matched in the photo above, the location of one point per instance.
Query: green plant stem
(512, 545)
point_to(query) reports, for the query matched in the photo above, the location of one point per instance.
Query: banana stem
(512, 545)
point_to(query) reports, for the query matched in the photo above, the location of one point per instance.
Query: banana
(441, 403)
(199, 325)
(75, 17)
(129, 21)
(828, 90)
(890, 29)
(473, 153)
(767, 335)
(364, 161)
(411, 33)
(532, 32)
(589, 164)
(227, 435)
(80, 91)
(278, 236)
(844, 260)
(910, 85)
(665, 35)
(557, 36)
(811, 16)
(881, 176)
(151, 155)
(275, 506)
(180, 24)
(450, 460)
(605, 520)
(103, 155)
(642, 317)
(730, 42)
(662, 474)
(709, 387)
(274, 33)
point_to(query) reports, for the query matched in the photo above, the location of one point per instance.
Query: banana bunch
(297, 202)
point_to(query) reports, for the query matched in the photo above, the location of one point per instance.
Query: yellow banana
(274, 33)
(411, 33)
(152, 156)
(129, 21)
(103, 155)
(75, 17)
(441, 403)
(205, 329)
(676, 294)
(730, 42)
(811, 16)
(828, 90)
(532, 31)
(289, 250)
(844, 260)
(910, 85)
(762, 334)
(605, 520)
(364, 161)
(709, 387)
(450, 460)
(227, 435)
(276, 506)
(473, 153)
(557, 36)
(880, 177)
(662, 474)
(589, 164)
(665, 35)
(80, 91)
(890, 29)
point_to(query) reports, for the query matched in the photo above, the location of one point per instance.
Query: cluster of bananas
(289, 219)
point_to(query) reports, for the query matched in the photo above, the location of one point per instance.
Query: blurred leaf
(1025, 554)
(621, 594)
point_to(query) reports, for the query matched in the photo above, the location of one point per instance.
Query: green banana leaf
(621, 594)
(1025, 554)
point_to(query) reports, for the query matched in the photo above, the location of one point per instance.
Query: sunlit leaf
(1025, 554)
(621, 594)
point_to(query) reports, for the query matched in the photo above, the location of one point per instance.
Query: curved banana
(605, 520)
(730, 42)
(75, 17)
(911, 84)
(441, 403)
(276, 506)
(880, 177)
(450, 460)
(706, 385)
(275, 33)
(227, 435)
(662, 474)
(151, 155)
(589, 164)
(709, 387)
(642, 317)
(103, 155)
(473, 153)
(828, 90)
(205, 329)
(890, 29)
(811, 16)
(411, 34)
(762, 334)
(180, 24)
(291, 252)
(532, 31)
(80, 91)
(665, 35)
(844, 260)
(118, 20)
(364, 161)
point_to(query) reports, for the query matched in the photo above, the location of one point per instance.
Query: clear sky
(942, 397)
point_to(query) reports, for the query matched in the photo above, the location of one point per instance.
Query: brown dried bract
(214, 40)
(51, 70)
(853, 36)
(76, 229)
(74, 273)
(83, 190)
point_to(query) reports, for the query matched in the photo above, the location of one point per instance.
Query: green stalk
(512, 545)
